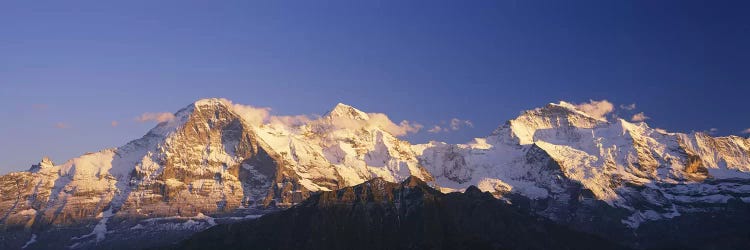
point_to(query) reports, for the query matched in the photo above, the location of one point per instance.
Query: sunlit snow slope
(209, 159)
(213, 159)
(566, 158)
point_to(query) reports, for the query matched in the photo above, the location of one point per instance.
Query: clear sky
(69, 69)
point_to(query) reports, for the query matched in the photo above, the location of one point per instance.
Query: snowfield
(215, 158)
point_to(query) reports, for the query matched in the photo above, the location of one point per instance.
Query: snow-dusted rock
(562, 156)
(208, 159)
(213, 159)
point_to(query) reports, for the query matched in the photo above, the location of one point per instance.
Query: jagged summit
(207, 109)
(45, 163)
(577, 109)
(345, 111)
(413, 181)
(565, 111)
(212, 101)
(523, 128)
(642, 171)
(209, 159)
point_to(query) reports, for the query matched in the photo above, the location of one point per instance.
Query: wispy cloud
(628, 107)
(404, 127)
(378, 120)
(251, 114)
(114, 123)
(436, 129)
(262, 115)
(292, 120)
(596, 109)
(746, 131)
(457, 124)
(453, 125)
(62, 125)
(639, 117)
(157, 117)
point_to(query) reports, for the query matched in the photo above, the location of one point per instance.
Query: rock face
(214, 161)
(383, 215)
(207, 160)
(594, 174)
(343, 148)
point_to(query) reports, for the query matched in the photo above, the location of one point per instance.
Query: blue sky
(68, 69)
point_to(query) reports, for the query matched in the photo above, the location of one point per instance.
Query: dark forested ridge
(408, 215)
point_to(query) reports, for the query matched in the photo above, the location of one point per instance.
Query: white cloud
(639, 117)
(596, 109)
(378, 120)
(436, 129)
(453, 125)
(405, 127)
(252, 115)
(457, 124)
(746, 131)
(262, 115)
(628, 107)
(157, 117)
(291, 120)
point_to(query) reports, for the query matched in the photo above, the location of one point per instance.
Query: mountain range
(215, 163)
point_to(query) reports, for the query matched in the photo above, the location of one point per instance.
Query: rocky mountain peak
(45, 163)
(208, 159)
(345, 111)
(207, 102)
(413, 181)
(201, 111)
(552, 116)
(567, 113)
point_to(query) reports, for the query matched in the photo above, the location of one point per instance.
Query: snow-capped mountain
(208, 159)
(567, 162)
(342, 148)
(213, 162)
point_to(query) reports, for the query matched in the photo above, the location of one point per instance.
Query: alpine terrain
(546, 171)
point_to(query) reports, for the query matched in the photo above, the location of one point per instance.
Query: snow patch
(100, 230)
(31, 241)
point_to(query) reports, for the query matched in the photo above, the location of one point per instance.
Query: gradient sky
(68, 69)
